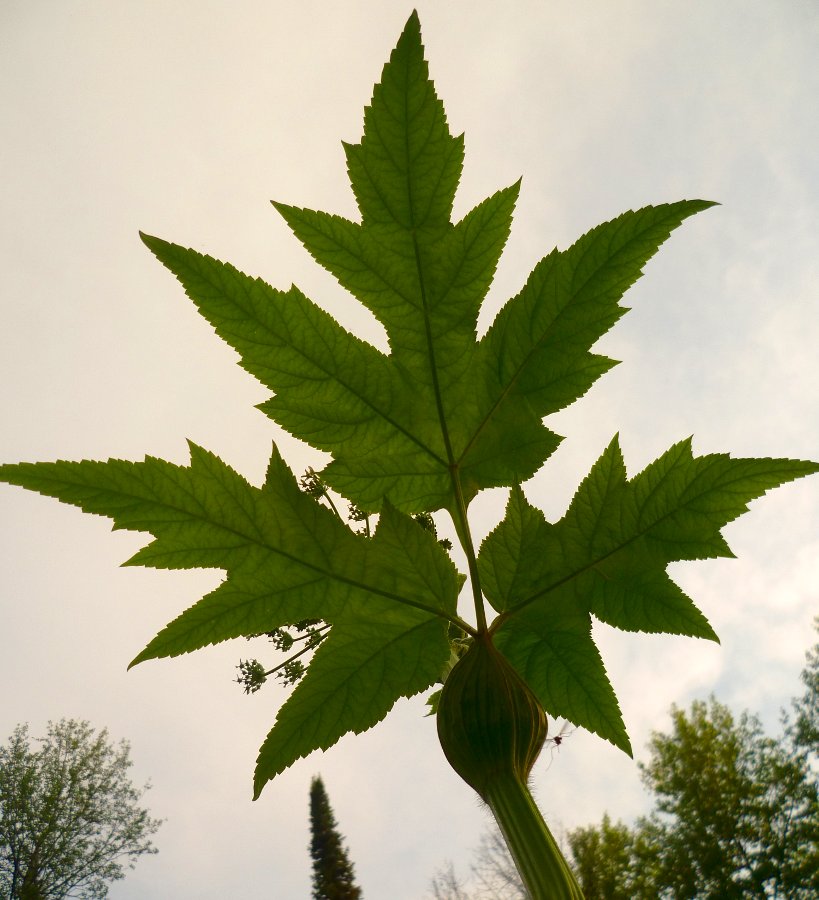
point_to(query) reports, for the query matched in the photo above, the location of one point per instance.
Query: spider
(557, 739)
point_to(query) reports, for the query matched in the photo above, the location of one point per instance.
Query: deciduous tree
(804, 731)
(736, 811)
(492, 876)
(601, 857)
(69, 814)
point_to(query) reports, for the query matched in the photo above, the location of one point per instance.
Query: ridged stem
(544, 871)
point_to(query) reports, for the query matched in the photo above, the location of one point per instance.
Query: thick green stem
(492, 728)
(544, 871)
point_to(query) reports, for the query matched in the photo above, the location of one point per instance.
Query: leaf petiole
(462, 529)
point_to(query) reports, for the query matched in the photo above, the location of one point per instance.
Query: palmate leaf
(420, 428)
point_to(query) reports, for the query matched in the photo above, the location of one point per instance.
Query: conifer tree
(333, 877)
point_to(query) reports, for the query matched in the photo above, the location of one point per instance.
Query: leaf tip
(149, 240)
(259, 782)
(141, 657)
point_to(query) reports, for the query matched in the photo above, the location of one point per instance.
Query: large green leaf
(421, 428)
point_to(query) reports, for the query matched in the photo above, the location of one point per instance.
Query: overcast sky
(184, 119)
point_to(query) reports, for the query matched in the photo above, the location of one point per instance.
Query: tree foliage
(803, 732)
(601, 860)
(333, 877)
(69, 815)
(736, 812)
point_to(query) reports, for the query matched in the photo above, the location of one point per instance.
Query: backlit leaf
(423, 427)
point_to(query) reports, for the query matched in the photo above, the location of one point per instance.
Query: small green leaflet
(424, 427)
